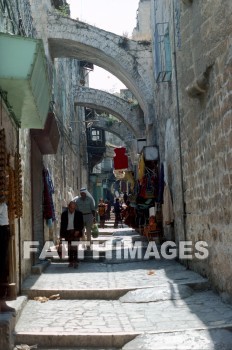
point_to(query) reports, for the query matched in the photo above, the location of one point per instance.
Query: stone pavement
(143, 304)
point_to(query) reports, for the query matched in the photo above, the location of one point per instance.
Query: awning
(23, 75)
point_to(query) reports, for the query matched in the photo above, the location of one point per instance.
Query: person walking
(117, 212)
(86, 204)
(4, 257)
(129, 215)
(71, 230)
(102, 212)
(108, 209)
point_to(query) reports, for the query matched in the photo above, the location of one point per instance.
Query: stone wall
(166, 118)
(25, 230)
(68, 167)
(195, 128)
(205, 66)
(142, 31)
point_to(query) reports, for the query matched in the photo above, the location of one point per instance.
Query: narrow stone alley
(136, 112)
(110, 303)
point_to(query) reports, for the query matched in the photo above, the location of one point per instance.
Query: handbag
(94, 231)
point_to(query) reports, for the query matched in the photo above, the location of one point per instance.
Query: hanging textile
(141, 167)
(149, 184)
(48, 205)
(161, 185)
(123, 186)
(120, 159)
(129, 176)
(167, 208)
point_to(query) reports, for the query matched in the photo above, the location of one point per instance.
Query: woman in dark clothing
(117, 212)
(129, 215)
(108, 209)
(71, 228)
(102, 212)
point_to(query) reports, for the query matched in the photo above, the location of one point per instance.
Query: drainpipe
(179, 132)
(19, 234)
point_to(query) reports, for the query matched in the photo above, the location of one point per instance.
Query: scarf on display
(48, 205)
(161, 185)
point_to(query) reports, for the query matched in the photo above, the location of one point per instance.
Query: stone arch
(128, 60)
(116, 127)
(130, 115)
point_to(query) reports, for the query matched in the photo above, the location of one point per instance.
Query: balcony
(23, 76)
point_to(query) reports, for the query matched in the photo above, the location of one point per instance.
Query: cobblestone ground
(143, 304)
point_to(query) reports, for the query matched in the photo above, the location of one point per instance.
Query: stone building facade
(204, 74)
(142, 31)
(194, 133)
(59, 148)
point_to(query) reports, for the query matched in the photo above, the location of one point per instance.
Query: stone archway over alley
(115, 127)
(130, 115)
(130, 61)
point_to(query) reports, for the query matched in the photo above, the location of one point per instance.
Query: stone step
(79, 294)
(63, 340)
(209, 339)
(195, 339)
(114, 323)
(109, 281)
(108, 306)
(111, 294)
(117, 248)
(77, 348)
(116, 256)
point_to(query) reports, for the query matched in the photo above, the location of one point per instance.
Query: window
(163, 64)
(95, 135)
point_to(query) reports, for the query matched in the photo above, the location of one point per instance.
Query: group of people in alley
(80, 216)
(76, 224)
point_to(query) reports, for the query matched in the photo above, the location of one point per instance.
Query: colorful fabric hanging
(129, 176)
(167, 208)
(149, 185)
(161, 184)
(121, 159)
(48, 205)
(141, 167)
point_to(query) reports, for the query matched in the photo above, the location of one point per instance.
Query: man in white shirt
(4, 257)
(71, 230)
